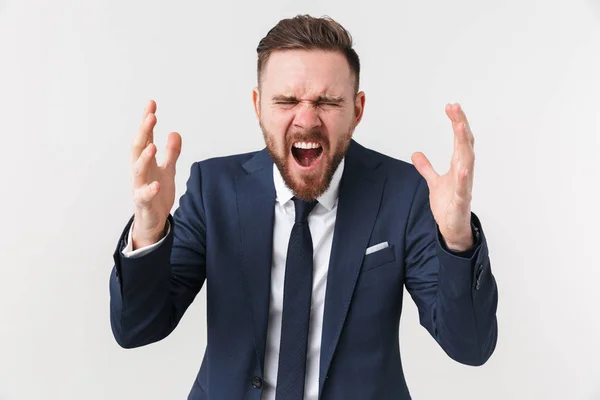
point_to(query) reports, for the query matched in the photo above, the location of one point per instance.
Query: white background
(75, 77)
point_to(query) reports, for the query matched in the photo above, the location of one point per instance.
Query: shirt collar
(327, 199)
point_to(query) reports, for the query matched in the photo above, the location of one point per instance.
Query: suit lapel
(256, 203)
(360, 193)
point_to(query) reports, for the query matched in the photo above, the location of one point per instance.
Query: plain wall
(75, 77)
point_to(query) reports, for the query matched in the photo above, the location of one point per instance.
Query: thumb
(424, 167)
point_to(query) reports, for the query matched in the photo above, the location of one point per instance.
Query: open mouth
(307, 154)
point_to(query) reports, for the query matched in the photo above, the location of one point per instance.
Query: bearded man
(306, 245)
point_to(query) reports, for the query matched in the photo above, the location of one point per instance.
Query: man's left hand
(450, 194)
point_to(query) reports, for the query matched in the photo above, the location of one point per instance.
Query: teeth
(306, 145)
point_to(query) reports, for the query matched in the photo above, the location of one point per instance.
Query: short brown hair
(308, 33)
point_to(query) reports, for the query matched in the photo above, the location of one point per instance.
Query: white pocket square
(376, 247)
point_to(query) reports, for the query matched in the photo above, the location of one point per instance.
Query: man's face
(307, 109)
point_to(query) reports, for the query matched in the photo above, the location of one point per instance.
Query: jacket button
(256, 382)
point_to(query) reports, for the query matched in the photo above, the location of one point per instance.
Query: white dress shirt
(321, 222)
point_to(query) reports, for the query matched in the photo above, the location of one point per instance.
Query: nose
(307, 117)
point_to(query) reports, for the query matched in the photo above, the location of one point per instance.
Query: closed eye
(322, 101)
(328, 103)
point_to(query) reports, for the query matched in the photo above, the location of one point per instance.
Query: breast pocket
(379, 258)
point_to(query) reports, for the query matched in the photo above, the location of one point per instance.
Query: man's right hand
(153, 184)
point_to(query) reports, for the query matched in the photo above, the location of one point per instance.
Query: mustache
(313, 135)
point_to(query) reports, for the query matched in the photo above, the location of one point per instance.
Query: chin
(307, 184)
(307, 161)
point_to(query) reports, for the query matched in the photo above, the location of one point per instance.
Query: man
(305, 246)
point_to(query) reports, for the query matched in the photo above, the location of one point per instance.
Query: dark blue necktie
(297, 290)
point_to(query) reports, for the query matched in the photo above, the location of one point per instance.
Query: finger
(143, 137)
(140, 142)
(462, 118)
(449, 111)
(458, 116)
(461, 136)
(142, 166)
(144, 195)
(424, 167)
(173, 150)
(150, 109)
(455, 113)
(458, 113)
(464, 185)
(463, 163)
(462, 132)
(464, 155)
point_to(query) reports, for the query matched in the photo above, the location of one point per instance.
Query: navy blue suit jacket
(221, 237)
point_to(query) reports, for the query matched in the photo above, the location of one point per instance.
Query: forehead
(307, 72)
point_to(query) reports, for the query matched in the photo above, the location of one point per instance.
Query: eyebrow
(320, 99)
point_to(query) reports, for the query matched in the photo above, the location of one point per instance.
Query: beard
(307, 186)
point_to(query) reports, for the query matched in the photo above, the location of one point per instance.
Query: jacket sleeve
(150, 293)
(456, 294)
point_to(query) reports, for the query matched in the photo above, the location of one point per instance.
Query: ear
(359, 107)
(256, 101)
